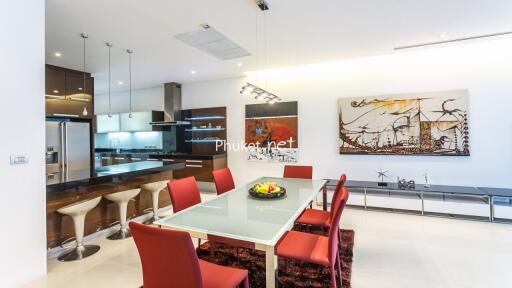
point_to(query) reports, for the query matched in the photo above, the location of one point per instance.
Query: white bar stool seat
(154, 188)
(77, 212)
(122, 198)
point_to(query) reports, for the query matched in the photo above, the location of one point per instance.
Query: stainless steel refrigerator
(67, 146)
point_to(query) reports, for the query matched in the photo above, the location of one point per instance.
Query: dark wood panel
(205, 147)
(55, 82)
(60, 227)
(200, 169)
(66, 94)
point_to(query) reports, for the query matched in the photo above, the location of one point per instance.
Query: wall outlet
(19, 159)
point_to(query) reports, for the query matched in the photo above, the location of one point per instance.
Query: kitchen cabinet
(106, 124)
(106, 160)
(120, 160)
(138, 123)
(55, 83)
(200, 169)
(66, 95)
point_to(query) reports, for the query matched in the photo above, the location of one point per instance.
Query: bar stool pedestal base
(79, 253)
(121, 234)
(151, 220)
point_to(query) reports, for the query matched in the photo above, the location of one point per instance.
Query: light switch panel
(19, 159)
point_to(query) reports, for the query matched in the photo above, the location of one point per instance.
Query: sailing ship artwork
(433, 123)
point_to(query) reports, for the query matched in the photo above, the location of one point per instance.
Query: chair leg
(339, 271)
(333, 276)
(212, 250)
(340, 250)
(246, 282)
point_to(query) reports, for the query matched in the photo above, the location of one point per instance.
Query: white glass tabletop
(237, 215)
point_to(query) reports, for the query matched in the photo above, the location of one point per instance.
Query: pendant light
(84, 87)
(130, 78)
(109, 45)
(255, 90)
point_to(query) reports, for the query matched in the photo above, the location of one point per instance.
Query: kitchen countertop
(151, 153)
(107, 174)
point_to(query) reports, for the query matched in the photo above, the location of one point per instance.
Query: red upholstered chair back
(223, 180)
(337, 193)
(334, 230)
(168, 257)
(300, 172)
(184, 193)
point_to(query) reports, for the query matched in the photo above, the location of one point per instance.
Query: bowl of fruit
(267, 190)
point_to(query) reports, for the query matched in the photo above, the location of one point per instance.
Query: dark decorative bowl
(277, 195)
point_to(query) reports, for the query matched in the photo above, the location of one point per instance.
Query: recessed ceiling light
(443, 35)
(80, 89)
(57, 54)
(193, 72)
(120, 82)
(239, 64)
(55, 91)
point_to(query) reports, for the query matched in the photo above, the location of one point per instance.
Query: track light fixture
(259, 94)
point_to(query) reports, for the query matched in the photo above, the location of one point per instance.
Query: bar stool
(154, 188)
(122, 198)
(77, 212)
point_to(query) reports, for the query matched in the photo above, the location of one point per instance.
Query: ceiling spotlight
(55, 91)
(239, 64)
(120, 82)
(443, 35)
(193, 72)
(80, 89)
(57, 54)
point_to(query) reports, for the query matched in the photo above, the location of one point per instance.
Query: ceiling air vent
(213, 42)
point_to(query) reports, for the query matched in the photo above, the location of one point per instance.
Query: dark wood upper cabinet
(75, 86)
(66, 95)
(55, 82)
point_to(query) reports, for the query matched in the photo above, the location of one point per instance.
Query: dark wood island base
(65, 192)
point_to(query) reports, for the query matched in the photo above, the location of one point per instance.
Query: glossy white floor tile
(391, 250)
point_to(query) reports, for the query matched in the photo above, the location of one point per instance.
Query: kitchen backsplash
(129, 140)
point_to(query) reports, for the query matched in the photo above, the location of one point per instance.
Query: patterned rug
(298, 274)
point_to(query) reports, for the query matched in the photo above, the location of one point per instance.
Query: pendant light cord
(130, 77)
(109, 45)
(84, 37)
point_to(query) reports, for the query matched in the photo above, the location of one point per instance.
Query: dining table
(238, 218)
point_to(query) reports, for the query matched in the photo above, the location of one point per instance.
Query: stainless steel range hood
(172, 106)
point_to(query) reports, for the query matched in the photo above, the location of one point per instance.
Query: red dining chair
(169, 260)
(321, 218)
(223, 180)
(300, 172)
(316, 249)
(184, 193)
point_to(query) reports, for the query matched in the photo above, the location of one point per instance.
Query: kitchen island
(63, 189)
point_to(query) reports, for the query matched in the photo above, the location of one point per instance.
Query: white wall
(22, 216)
(142, 100)
(484, 68)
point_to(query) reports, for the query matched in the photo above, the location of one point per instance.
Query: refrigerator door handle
(62, 148)
(66, 146)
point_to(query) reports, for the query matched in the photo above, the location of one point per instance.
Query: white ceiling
(297, 32)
